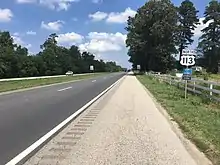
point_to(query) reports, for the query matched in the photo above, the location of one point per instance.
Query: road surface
(27, 116)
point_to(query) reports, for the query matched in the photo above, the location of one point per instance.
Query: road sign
(187, 71)
(189, 52)
(138, 67)
(187, 60)
(187, 74)
(91, 67)
(187, 77)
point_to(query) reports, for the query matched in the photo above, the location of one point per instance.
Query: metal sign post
(187, 73)
(187, 59)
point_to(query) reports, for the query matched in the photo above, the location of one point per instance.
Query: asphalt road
(27, 116)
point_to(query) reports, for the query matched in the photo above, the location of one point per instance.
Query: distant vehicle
(197, 68)
(69, 73)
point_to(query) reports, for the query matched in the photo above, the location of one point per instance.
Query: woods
(15, 60)
(160, 31)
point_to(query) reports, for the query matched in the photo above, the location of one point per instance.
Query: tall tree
(209, 43)
(151, 35)
(7, 58)
(188, 20)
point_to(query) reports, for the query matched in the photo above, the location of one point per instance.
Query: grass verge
(21, 84)
(198, 119)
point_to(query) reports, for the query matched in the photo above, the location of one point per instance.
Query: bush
(205, 76)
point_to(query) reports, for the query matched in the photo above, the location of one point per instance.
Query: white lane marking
(64, 89)
(44, 138)
(94, 81)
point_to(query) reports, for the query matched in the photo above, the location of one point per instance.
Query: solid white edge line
(44, 138)
(64, 89)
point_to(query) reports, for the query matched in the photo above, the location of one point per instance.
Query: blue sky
(94, 25)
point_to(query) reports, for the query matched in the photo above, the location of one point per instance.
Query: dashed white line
(94, 81)
(48, 135)
(64, 89)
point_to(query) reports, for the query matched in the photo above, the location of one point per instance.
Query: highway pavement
(26, 116)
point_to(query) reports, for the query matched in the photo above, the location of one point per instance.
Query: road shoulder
(124, 127)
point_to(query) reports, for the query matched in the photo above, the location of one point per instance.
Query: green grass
(21, 84)
(199, 119)
(209, 76)
(215, 77)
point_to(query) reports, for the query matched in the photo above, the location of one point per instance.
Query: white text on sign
(187, 60)
(188, 52)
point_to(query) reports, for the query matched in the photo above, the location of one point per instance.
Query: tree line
(15, 60)
(160, 30)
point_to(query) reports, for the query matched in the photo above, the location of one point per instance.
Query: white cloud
(106, 46)
(5, 15)
(16, 34)
(104, 42)
(53, 26)
(98, 16)
(97, 46)
(18, 40)
(120, 17)
(69, 38)
(198, 30)
(58, 4)
(97, 1)
(28, 46)
(26, 1)
(31, 33)
(113, 17)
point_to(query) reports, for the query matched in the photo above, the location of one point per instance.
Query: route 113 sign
(188, 58)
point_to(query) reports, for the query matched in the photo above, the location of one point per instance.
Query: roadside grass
(215, 77)
(21, 84)
(198, 118)
(208, 76)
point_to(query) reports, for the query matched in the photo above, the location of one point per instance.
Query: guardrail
(208, 89)
(40, 77)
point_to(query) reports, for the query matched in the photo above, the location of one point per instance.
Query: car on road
(69, 73)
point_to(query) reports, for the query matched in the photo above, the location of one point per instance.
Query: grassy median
(198, 118)
(21, 84)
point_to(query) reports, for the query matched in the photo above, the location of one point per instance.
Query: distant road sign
(187, 77)
(138, 67)
(91, 67)
(187, 60)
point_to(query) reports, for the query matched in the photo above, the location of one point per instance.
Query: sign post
(187, 59)
(139, 68)
(91, 67)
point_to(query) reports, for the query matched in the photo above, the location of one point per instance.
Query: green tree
(50, 55)
(7, 58)
(188, 20)
(151, 36)
(53, 59)
(209, 43)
